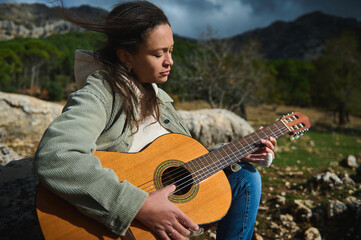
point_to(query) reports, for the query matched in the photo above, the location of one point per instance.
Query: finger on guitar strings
(267, 143)
(254, 158)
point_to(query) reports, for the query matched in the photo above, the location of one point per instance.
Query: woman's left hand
(260, 155)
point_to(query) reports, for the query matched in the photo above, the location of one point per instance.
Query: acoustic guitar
(203, 192)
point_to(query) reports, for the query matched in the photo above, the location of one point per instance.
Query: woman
(118, 107)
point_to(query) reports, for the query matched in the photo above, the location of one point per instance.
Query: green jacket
(93, 119)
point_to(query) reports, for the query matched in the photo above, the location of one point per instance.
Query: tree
(292, 81)
(44, 62)
(338, 76)
(9, 64)
(36, 54)
(223, 78)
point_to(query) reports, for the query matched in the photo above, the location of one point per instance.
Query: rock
(326, 180)
(7, 154)
(288, 223)
(354, 205)
(257, 236)
(212, 235)
(24, 117)
(274, 225)
(213, 126)
(281, 200)
(286, 218)
(18, 185)
(312, 234)
(335, 208)
(307, 202)
(350, 161)
(302, 212)
(38, 20)
(11, 29)
(347, 180)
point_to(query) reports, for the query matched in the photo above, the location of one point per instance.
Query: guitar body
(204, 203)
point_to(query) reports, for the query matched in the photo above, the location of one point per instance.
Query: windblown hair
(126, 27)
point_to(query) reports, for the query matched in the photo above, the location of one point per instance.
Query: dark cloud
(343, 8)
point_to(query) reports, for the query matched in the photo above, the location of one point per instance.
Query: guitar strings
(222, 165)
(248, 147)
(190, 181)
(233, 152)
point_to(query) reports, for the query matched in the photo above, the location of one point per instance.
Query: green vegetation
(204, 70)
(341, 66)
(42, 67)
(317, 150)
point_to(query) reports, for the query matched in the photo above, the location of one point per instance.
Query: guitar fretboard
(213, 162)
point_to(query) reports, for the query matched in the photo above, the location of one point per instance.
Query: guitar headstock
(297, 124)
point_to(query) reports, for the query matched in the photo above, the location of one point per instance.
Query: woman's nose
(168, 61)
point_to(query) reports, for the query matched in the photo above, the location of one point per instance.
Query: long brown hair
(126, 27)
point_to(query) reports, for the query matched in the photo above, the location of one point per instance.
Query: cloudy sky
(230, 17)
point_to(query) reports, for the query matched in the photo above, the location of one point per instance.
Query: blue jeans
(246, 195)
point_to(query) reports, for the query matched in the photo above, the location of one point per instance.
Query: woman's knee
(251, 176)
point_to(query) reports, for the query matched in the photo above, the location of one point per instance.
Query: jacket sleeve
(64, 163)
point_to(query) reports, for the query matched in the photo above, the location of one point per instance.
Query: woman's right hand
(163, 218)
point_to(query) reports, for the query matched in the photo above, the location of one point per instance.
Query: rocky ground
(321, 213)
(307, 205)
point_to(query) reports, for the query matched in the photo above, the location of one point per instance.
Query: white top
(148, 131)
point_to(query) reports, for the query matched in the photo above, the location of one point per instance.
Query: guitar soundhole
(178, 176)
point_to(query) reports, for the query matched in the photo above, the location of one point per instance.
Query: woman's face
(151, 63)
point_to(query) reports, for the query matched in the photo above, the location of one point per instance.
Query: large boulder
(24, 117)
(213, 126)
(18, 184)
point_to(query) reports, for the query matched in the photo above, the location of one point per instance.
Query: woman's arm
(64, 163)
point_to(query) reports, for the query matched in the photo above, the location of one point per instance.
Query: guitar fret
(220, 166)
(278, 130)
(215, 161)
(228, 155)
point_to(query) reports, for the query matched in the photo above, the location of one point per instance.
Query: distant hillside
(38, 20)
(303, 38)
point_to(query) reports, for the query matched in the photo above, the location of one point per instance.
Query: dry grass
(267, 114)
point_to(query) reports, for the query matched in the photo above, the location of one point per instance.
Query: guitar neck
(213, 162)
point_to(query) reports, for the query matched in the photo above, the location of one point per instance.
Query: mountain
(39, 20)
(303, 38)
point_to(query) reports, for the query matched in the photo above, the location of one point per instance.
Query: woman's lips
(165, 73)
